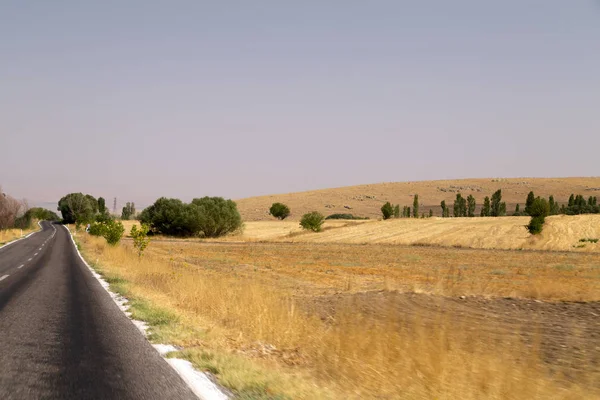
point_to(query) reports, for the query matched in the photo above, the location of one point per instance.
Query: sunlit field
(342, 320)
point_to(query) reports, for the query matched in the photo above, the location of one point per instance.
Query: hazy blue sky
(138, 99)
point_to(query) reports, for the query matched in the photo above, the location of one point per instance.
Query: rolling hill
(366, 200)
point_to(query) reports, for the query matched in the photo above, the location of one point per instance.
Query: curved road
(62, 336)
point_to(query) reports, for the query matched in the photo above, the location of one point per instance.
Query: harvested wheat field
(366, 200)
(334, 320)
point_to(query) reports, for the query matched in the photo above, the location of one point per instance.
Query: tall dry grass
(359, 356)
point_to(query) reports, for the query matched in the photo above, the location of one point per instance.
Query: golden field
(366, 200)
(355, 312)
(561, 233)
(8, 235)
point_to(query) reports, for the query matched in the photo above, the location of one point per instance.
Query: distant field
(366, 200)
(561, 233)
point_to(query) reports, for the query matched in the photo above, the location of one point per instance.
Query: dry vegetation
(8, 235)
(335, 320)
(366, 200)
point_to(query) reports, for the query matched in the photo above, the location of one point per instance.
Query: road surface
(62, 336)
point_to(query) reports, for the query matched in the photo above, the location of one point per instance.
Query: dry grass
(8, 235)
(241, 313)
(431, 193)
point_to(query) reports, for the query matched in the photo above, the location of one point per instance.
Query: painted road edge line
(21, 266)
(197, 381)
(4, 277)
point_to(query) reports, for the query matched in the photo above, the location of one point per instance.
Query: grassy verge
(251, 334)
(8, 235)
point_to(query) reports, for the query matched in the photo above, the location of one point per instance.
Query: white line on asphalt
(36, 254)
(21, 266)
(29, 259)
(3, 277)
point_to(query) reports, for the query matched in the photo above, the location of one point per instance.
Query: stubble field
(352, 312)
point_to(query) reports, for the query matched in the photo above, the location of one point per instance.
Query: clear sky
(140, 99)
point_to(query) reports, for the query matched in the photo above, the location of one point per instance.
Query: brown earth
(366, 200)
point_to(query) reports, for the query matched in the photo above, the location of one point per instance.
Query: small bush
(345, 216)
(279, 211)
(312, 221)
(140, 238)
(110, 230)
(535, 225)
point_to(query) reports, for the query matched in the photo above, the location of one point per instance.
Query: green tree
(397, 211)
(498, 208)
(416, 206)
(444, 208)
(529, 202)
(554, 208)
(128, 211)
(460, 206)
(218, 216)
(140, 238)
(517, 210)
(279, 211)
(539, 210)
(312, 221)
(471, 205)
(485, 210)
(77, 208)
(102, 205)
(387, 210)
(430, 213)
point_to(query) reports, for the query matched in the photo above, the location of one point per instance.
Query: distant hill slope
(366, 200)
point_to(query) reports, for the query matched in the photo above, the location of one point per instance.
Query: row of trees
(465, 207)
(389, 210)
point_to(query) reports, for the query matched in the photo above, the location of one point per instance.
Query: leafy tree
(571, 200)
(397, 211)
(140, 238)
(471, 205)
(169, 217)
(416, 206)
(279, 211)
(312, 221)
(218, 216)
(111, 230)
(430, 213)
(460, 206)
(444, 208)
(553, 205)
(486, 209)
(387, 210)
(128, 211)
(102, 206)
(77, 208)
(539, 210)
(529, 202)
(517, 210)
(498, 208)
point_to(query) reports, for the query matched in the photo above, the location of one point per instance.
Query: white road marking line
(36, 254)
(21, 266)
(40, 249)
(30, 259)
(4, 277)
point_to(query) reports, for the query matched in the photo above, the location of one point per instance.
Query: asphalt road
(62, 336)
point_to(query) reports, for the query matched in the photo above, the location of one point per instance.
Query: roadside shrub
(140, 238)
(387, 210)
(345, 216)
(279, 211)
(110, 230)
(312, 221)
(114, 232)
(97, 228)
